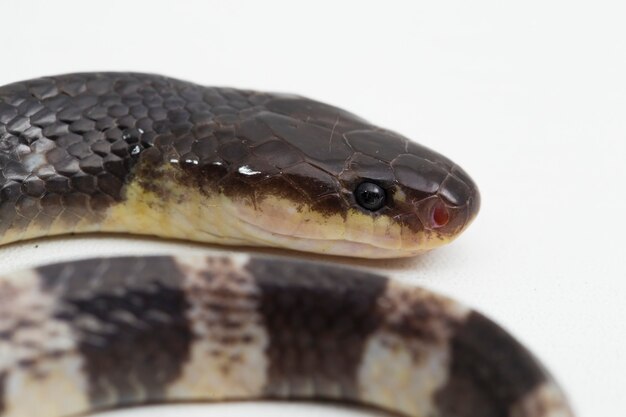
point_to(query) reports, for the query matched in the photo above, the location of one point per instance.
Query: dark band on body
(129, 317)
(490, 371)
(318, 319)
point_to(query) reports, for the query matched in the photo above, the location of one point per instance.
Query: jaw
(280, 223)
(332, 247)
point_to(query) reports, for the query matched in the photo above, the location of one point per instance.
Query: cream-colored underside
(34, 390)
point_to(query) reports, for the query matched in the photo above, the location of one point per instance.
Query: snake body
(137, 153)
(102, 333)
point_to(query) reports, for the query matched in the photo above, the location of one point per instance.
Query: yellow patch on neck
(174, 211)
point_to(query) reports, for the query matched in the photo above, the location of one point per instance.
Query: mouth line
(276, 239)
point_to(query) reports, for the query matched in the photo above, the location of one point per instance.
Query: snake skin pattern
(122, 152)
(102, 333)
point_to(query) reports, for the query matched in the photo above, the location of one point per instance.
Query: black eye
(370, 196)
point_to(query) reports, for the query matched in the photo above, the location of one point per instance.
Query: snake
(146, 154)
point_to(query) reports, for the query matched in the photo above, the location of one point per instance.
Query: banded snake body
(146, 154)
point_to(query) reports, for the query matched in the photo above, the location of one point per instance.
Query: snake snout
(457, 203)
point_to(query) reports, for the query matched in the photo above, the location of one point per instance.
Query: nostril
(440, 215)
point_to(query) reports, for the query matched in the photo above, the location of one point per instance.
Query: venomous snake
(146, 154)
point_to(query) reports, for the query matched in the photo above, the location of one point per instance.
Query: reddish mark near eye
(441, 215)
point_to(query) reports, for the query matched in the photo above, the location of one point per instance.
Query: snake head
(319, 179)
(294, 173)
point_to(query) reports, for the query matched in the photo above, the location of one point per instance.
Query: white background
(529, 97)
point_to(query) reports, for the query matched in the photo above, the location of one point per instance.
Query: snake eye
(370, 196)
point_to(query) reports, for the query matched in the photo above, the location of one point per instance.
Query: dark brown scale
(85, 135)
(319, 320)
(490, 371)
